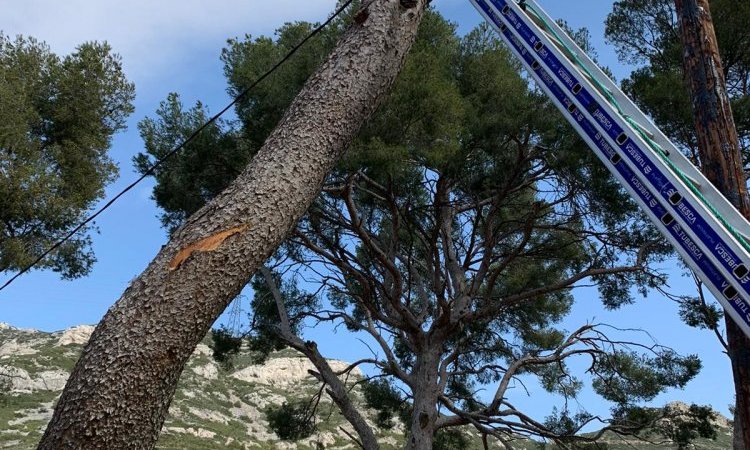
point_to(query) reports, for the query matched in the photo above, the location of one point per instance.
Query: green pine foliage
(384, 398)
(218, 155)
(681, 427)
(645, 33)
(291, 421)
(450, 440)
(225, 345)
(58, 117)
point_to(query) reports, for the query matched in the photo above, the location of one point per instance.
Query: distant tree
(225, 345)
(684, 425)
(291, 421)
(58, 117)
(5, 386)
(451, 238)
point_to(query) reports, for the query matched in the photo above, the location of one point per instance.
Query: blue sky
(173, 46)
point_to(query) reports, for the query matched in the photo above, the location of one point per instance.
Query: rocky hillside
(213, 408)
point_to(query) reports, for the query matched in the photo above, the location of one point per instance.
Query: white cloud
(151, 35)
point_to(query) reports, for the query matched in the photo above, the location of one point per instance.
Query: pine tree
(450, 238)
(58, 117)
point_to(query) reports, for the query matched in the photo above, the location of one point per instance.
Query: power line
(177, 149)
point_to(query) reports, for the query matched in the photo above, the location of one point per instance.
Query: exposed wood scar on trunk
(208, 244)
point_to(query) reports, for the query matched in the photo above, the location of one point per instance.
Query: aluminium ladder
(706, 230)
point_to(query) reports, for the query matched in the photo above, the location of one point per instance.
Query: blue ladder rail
(706, 230)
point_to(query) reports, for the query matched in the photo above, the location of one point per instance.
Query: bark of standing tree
(337, 388)
(119, 392)
(721, 163)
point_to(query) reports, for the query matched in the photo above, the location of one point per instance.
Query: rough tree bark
(119, 392)
(426, 394)
(721, 162)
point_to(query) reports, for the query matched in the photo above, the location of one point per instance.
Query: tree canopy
(646, 34)
(58, 117)
(450, 238)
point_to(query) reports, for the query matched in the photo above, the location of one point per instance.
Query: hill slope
(212, 409)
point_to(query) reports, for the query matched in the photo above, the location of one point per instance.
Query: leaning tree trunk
(721, 163)
(120, 389)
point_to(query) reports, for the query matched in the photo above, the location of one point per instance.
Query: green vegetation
(58, 116)
(291, 421)
(220, 411)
